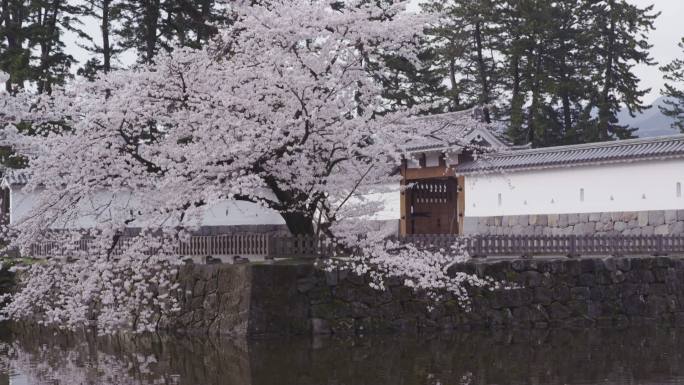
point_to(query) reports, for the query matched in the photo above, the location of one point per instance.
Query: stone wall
(258, 300)
(626, 223)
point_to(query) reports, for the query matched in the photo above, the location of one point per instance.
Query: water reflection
(633, 356)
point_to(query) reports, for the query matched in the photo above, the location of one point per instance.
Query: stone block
(552, 220)
(656, 218)
(647, 230)
(643, 218)
(594, 217)
(619, 226)
(523, 220)
(573, 219)
(661, 230)
(629, 216)
(532, 219)
(562, 220)
(670, 216)
(583, 217)
(680, 215)
(542, 220)
(606, 218)
(677, 228)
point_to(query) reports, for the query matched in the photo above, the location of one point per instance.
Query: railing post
(572, 243)
(659, 246)
(478, 247)
(269, 247)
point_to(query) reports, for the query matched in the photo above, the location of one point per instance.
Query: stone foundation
(661, 222)
(257, 300)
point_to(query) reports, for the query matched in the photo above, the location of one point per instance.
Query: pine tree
(619, 35)
(466, 39)
(48, 20)
(14, 54)
(149, 26)
(674, 91)
(102, 47)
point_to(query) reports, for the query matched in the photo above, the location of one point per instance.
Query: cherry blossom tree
(281, 110)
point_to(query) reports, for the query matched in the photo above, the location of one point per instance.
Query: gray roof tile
(593, 153)
(15, 177)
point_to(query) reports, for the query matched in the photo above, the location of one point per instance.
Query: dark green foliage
(674, 91)
(149, 26)
(555, 72)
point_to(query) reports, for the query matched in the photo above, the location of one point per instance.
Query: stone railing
(569, 245)
(276, 246)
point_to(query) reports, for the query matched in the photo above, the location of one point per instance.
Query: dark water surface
(632, 356)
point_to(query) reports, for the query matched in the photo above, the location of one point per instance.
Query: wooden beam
(403, 208)
(427, 173)
(460, 204)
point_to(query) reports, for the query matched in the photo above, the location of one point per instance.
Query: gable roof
(666, 147)
(455, 129)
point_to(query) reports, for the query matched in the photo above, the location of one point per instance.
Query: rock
(643, 218)
(580, 293)
(662, 230)
(553, 220)
(656, 218)
(670, 216)
(677, 228)
(606, 218)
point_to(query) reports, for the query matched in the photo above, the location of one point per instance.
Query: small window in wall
(679, 189)
(499, 199)
(581, 195)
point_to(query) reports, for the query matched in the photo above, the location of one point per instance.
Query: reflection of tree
(636, 356)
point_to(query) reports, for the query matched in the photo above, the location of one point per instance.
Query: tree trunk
(481, 66)
(12, 19)
(299, 223)
(604, 107)
(106, 49)
(454, 84)
(151, 22)
(516, 102)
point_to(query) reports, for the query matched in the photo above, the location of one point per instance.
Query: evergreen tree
(619, 36)
(105, 50)
(466, 38)
(149, 26)
(48, 20)
(674, 91)
(14, 53)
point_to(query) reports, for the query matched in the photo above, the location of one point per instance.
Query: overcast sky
(669, 31)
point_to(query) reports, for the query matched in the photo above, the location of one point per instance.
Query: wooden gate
(432, 206)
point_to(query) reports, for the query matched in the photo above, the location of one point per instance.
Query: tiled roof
(449, 129)
(665, 147)
(15, 177)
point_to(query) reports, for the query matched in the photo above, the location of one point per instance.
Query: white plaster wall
(638, 186)
(225, 213)
(20, 204)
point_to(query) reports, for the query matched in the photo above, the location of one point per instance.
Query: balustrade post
(572, 246)
(659, 251)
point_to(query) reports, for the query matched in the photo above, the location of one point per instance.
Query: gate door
(432, 206)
